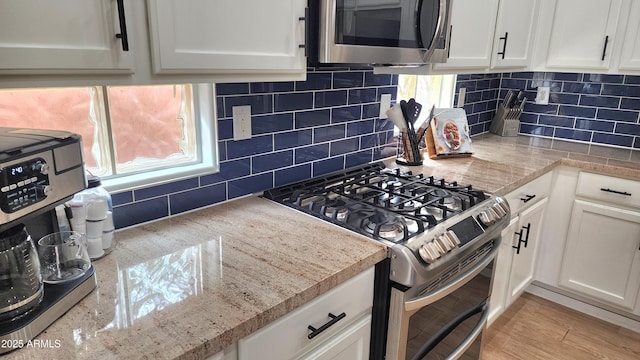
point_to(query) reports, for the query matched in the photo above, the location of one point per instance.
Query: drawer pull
(616, 192)
(526, 239)
(334, 319)
(528, 198)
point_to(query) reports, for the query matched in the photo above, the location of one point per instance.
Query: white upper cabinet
(227, 36)
(471, 34)
(583, 33)
(630, 58)
(515, 33)
(62, 37)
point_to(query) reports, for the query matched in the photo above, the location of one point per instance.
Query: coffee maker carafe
(39, 170)
(21, 286)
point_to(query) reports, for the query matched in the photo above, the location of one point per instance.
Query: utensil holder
(408, 151)
(506, 122)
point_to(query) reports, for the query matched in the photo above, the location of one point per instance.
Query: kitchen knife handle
(604, 51)
(122, 35)
(504, 45)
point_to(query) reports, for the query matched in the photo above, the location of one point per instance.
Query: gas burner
(385, 226)
(310, 201)
(336, 209)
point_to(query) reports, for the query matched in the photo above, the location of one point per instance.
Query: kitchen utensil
(63, 256)
(410, 111)
(397, 118)
(21, 285)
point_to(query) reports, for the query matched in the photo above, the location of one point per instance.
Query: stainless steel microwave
(380, 32)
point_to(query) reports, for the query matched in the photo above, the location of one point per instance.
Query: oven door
(446, 324)
(383, 31)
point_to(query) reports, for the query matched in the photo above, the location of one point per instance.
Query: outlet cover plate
(241, 122)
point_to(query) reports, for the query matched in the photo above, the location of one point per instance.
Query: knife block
(506, 121)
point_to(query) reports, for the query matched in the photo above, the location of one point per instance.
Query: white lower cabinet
(526, 241)
(345, 314)
(602, 254)
(515, 265)
(501, 270)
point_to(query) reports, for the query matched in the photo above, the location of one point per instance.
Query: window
(132, 135)
(428, 90)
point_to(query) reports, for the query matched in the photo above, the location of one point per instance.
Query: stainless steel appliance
(379, 32)
(39, 170)
(431, 297)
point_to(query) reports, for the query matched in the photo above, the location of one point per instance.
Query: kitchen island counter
(188, 286)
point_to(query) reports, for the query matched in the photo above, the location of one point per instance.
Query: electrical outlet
(385, 104)
(241, 122)
(461, 97)
(542, 97)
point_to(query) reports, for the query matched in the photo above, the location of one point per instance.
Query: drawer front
(529, 194)
(610, 189)
(288, 336)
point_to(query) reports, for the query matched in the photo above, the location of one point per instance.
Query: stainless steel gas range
(432, 293)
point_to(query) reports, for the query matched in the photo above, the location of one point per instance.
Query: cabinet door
(523, 263)
(630, 58)
(501, 269)
(583, 33)
(602, 255)
(515, 32)
(63, 36)
(351, 344)
(471, 34)
(227, 36)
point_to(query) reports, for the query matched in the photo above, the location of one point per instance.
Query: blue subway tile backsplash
(590, 108)
(330, 121)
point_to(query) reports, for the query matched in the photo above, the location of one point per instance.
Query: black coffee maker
(39, 171)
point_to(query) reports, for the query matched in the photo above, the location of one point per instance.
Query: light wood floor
(534, 328)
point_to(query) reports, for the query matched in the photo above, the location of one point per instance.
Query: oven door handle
(447, 329)
(420, 302)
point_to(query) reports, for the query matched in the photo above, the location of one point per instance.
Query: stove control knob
(428, 253)
(441, 248)
(453, 238)
(499, 210)
(445, 243)
(487, 217)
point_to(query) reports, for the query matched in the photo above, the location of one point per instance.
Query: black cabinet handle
(334, 319)
(307, 33)
(123, 26)
(526, 238)
(615, 192)
(604, 51)
(520, 241)
(504, 45)
(449, 47)
(527, 198)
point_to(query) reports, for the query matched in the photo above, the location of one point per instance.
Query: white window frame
(205, 113)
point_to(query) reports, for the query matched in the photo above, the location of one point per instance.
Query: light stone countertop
(189, 286)
(500, 165)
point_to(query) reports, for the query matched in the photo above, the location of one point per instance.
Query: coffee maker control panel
(23, 184)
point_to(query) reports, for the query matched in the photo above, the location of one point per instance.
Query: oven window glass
(428, 321)
(389, 23)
